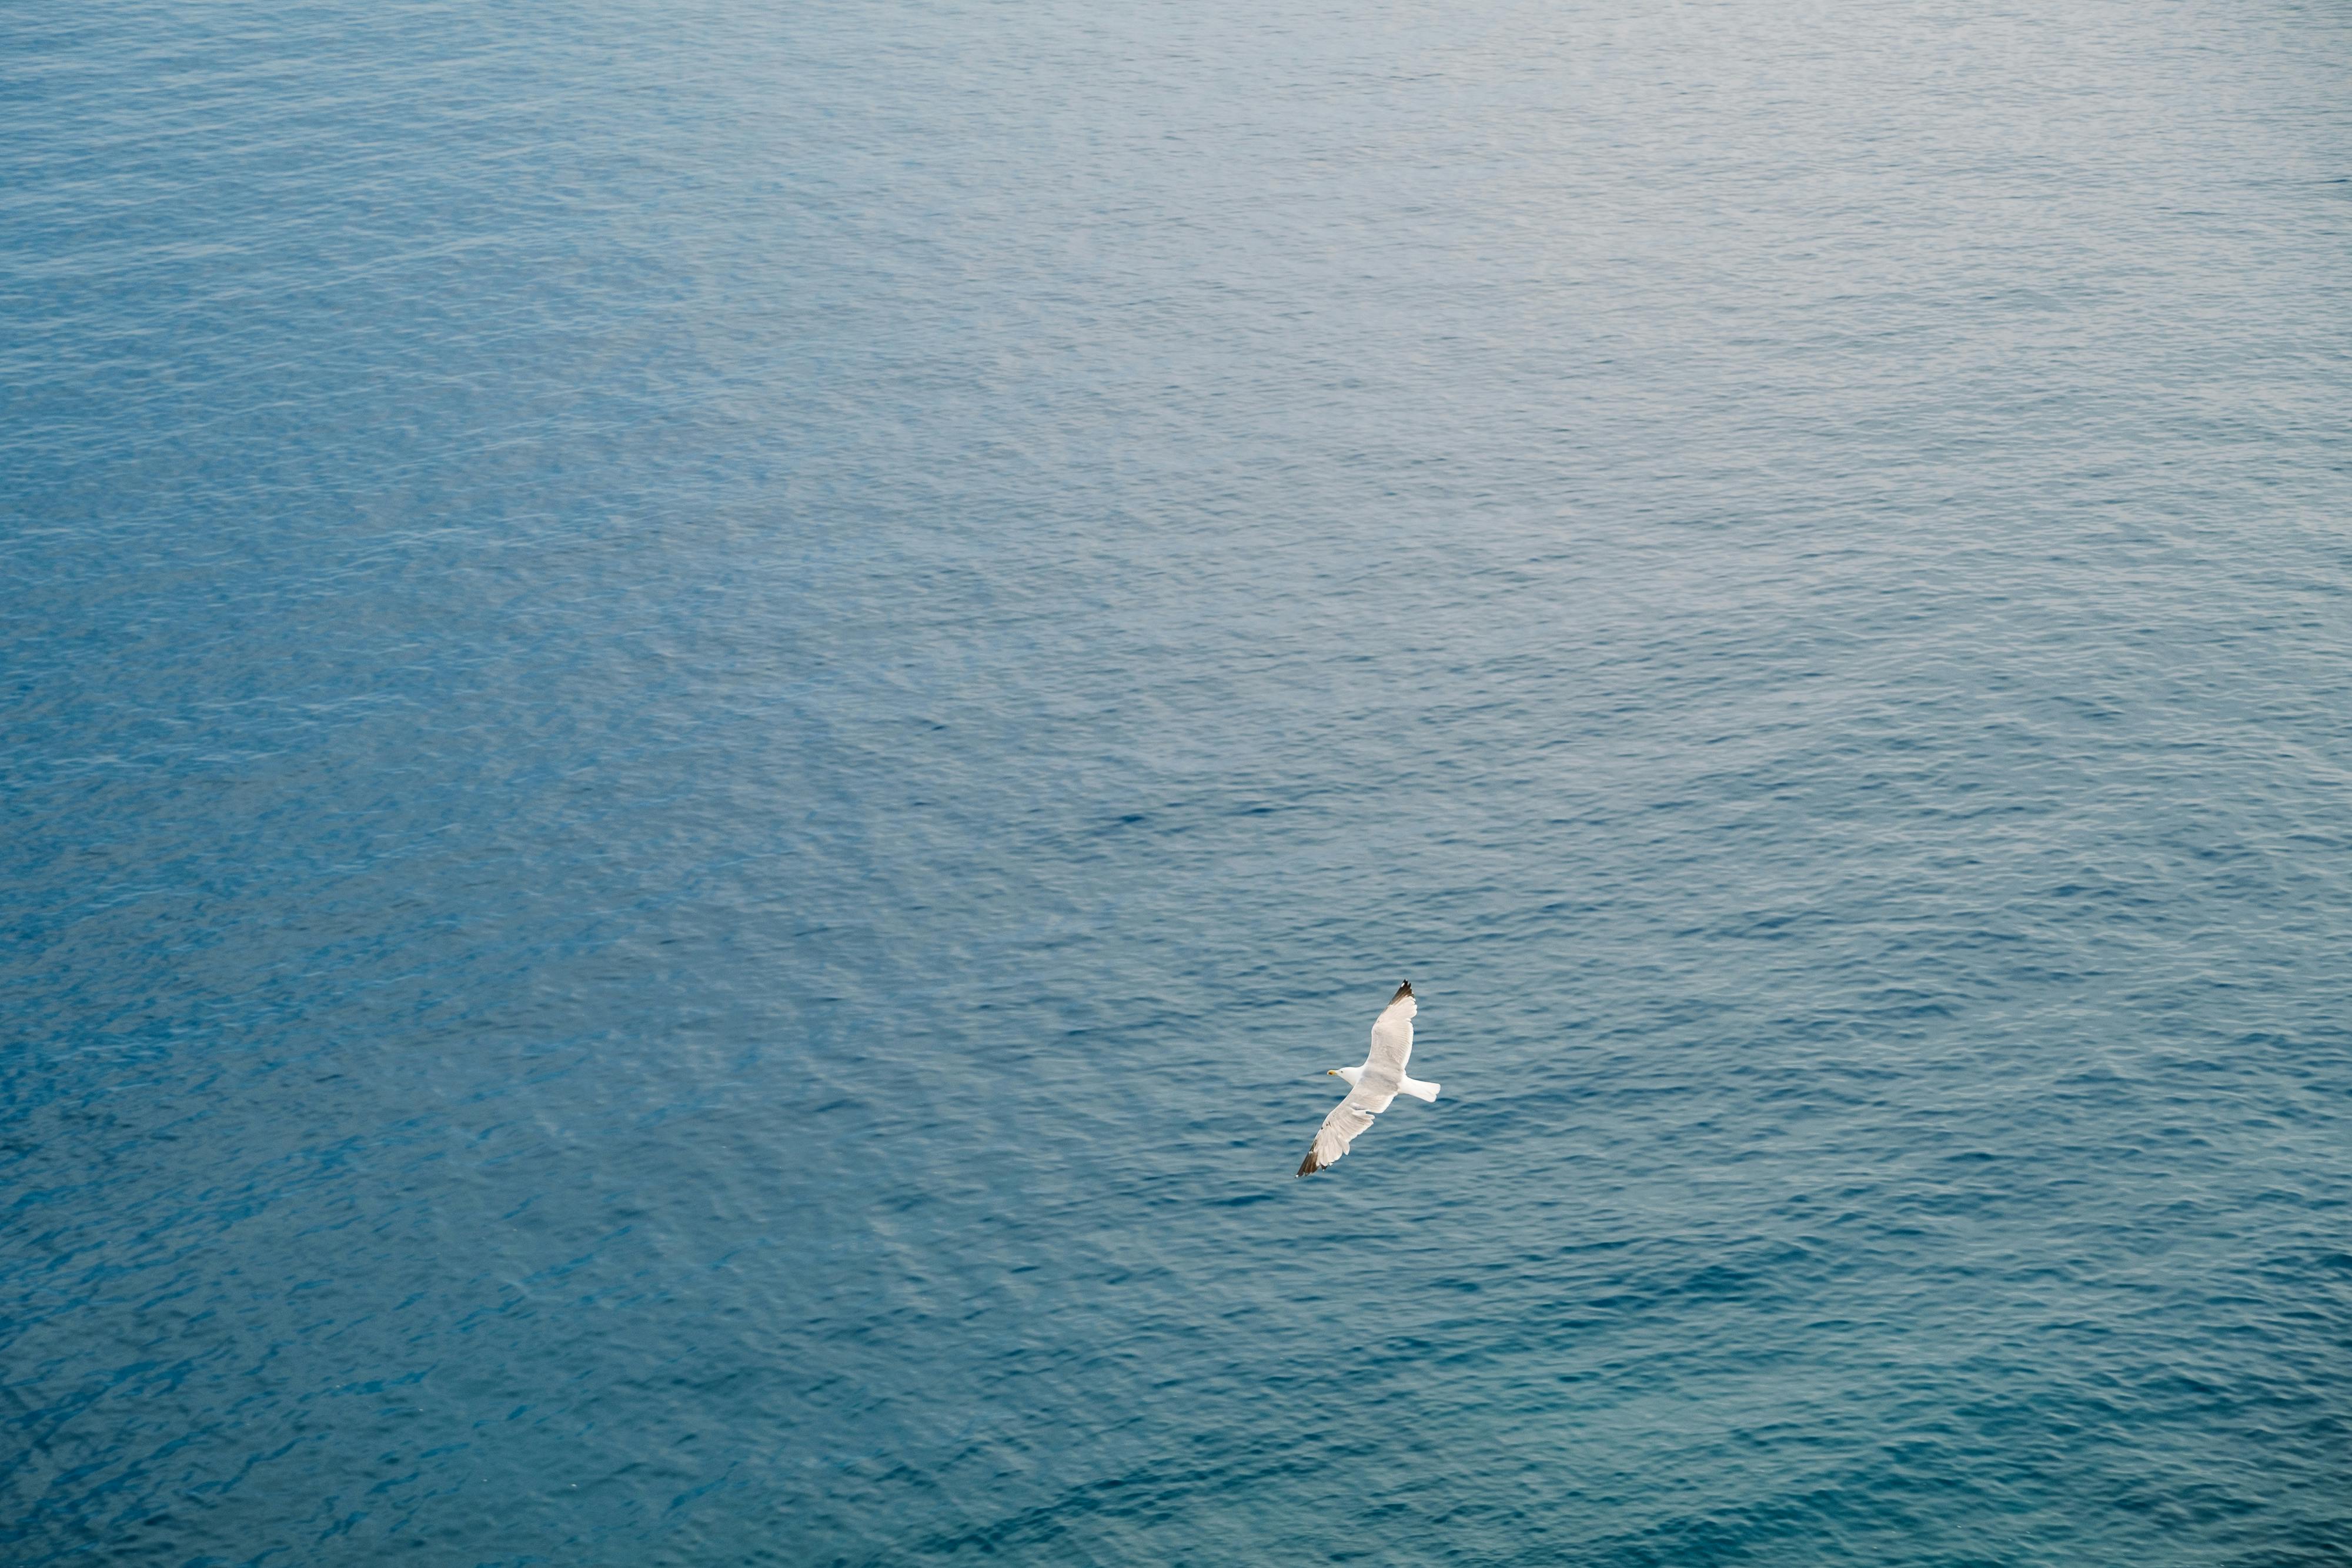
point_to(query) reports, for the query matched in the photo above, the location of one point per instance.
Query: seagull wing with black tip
(1393, 1038)
(1347, 1118)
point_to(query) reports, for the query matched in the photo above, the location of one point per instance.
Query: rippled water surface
(712, 711)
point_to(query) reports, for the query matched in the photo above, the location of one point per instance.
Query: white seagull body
(1373, 1087)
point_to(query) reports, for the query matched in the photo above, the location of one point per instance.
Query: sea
(711, 713)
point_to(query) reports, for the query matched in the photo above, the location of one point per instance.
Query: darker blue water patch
(711, 721)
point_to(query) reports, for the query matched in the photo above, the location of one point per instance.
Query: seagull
(1373, 1087)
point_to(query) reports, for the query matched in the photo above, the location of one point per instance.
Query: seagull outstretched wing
(1393, 1038)
(1347, 1118)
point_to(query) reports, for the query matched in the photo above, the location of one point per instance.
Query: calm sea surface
(710, 712)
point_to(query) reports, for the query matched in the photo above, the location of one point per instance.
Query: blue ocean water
(713, 711)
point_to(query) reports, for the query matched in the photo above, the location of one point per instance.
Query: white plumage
(1373, 1087)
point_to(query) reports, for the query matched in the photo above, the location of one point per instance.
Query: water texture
(712, 711)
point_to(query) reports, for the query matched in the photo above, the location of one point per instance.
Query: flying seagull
(1373, 1087)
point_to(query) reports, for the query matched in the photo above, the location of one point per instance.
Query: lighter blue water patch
(713, 714)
